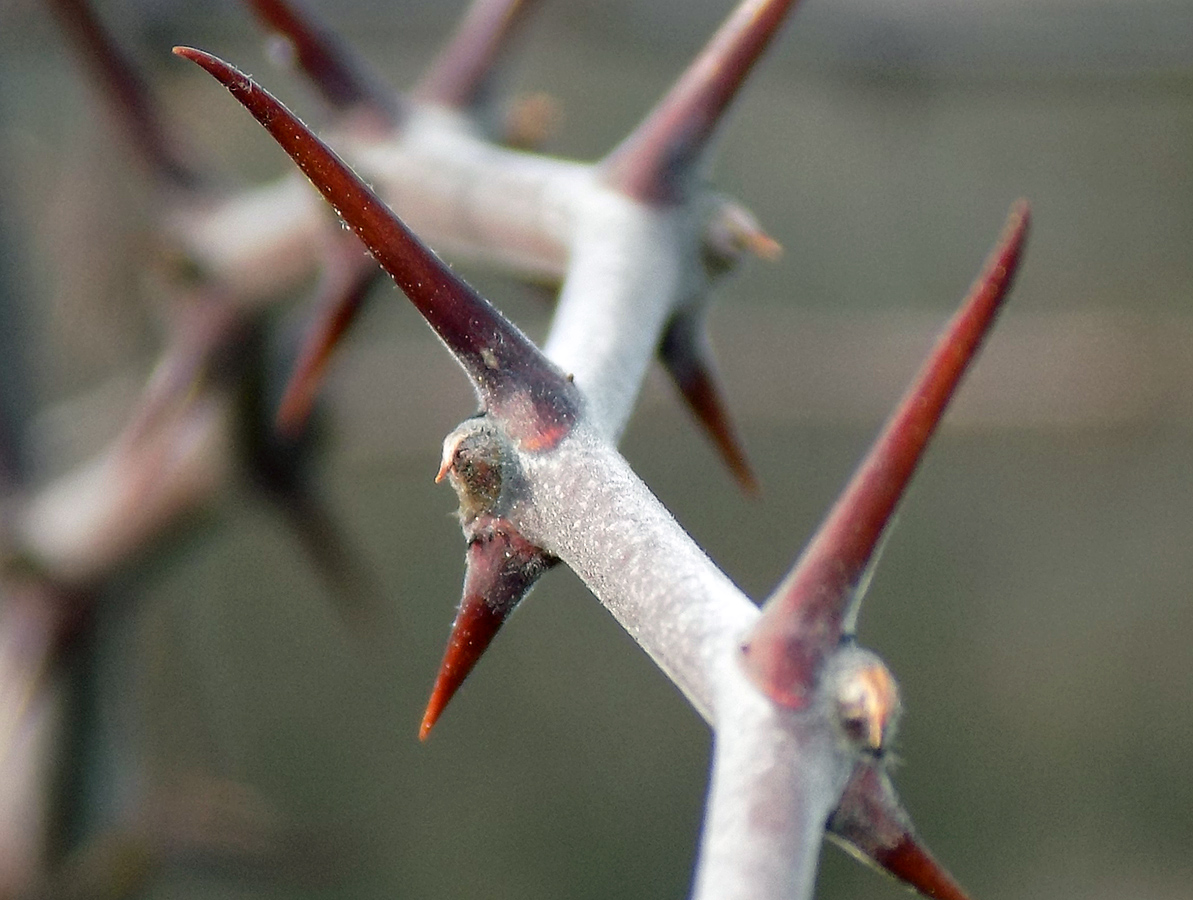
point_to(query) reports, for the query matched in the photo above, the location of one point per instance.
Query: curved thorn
(871, 824)
(127, 94)
(655, 162)
(460, 74)
(337, 73)
(533, 399)
(689, 361)
(502, 568)
(347, 280)
(817, 602)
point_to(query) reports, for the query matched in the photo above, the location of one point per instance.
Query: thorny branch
(803, 716)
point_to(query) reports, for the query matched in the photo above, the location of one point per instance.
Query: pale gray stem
(472, 200)
(624, 282)
(589, 508)
(776, 777)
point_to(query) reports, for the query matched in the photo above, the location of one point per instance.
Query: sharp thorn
(808, 613)
(502, 568)
(871, 824)
(347, 279)
(688, 359)
(533, 399)
(657, 160)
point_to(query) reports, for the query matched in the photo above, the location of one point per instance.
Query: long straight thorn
(126, 92)
(655, 162)
(460, 73)
(535, 402)
(338, 74)
(816, 604)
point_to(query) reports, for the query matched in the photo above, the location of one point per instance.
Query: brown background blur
(1036, 599)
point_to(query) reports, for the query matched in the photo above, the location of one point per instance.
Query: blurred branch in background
(878, 145)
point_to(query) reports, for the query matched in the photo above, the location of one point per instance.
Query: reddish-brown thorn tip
(817, 602)
(460, 73)
(871, 823)
(531, 397)
(347, 279)
(688, 359)
(656, 161)
(128, 96)
(502, 568)
(338, 74)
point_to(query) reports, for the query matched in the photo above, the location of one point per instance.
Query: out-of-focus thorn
(206, 321)
(128, 97)
(347, 278)
(338, 74)
(817, 602)
(502, 567)
(278, 464)
(688, 358)
(530, 120)
(533, 399)
(460, 74)
(351, 585)
(871, 824)
(732, 231)
(656, 162)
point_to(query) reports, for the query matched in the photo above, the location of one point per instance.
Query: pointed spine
(816, 604)
(461, 72)
(655, 163)
(871, 823)
(347, 281)
(502, 567)
(536, 403)
(128, 96)
(689, 361)
(338, 74)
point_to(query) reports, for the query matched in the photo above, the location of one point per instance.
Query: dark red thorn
(817, 602)
(128, 96)
(347, 279)
(656, 161)
(460, 74)
(337, 73)
(871, 823)
(502, 568)
(689, 360)
(529, 395)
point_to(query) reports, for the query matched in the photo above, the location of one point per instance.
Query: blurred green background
(1035, 599)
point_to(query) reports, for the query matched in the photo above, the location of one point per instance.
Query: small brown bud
(478, 462)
